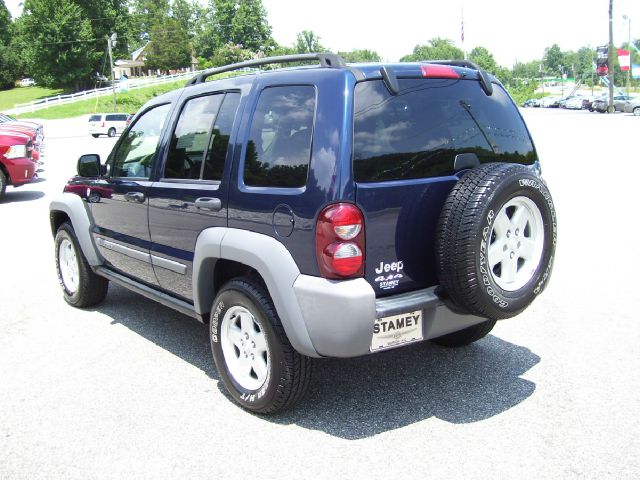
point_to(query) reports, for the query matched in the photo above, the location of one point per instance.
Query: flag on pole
(624, 58)
(462, 27)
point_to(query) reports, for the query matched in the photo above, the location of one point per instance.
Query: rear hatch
(405, 148)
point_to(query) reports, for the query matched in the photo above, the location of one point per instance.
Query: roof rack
(483, 77)
(327, 60)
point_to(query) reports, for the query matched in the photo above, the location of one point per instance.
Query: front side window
(199, 143)
(190, 138)
(279, 147)
(136, 152)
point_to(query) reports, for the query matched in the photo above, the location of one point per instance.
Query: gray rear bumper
(340, 315)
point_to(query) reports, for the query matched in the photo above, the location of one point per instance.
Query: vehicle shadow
(12, 196)
(360, 397)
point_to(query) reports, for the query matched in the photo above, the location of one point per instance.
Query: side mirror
(89, 166)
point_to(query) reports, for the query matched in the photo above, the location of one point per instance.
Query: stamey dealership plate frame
(397, 330)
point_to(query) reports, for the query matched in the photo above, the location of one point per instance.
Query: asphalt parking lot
(129, 390)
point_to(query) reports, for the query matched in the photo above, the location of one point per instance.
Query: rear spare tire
(496, 240)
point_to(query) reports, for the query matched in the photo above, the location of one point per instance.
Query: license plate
(390, 332)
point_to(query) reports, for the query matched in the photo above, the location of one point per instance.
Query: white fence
(131, 84)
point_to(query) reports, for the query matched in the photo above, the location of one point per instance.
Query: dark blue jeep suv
(318, 211)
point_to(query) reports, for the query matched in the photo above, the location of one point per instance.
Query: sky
(513, 30)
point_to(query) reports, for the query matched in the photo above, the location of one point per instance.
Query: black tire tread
(459, 220)
(93, 288)
(295, 382)
(3, 184)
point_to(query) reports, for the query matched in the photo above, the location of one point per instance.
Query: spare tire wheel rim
(68, 264)
(244, 348)
(516, 245)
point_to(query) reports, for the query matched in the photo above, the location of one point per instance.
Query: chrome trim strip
(129, 252)
(169, 264)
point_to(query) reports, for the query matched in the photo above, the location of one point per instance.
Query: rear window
(95, 118)
(419, 132)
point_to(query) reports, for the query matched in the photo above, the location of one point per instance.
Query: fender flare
(269, 258)
(77, 211)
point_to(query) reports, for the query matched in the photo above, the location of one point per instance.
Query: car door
(121, 229)
(192, 191)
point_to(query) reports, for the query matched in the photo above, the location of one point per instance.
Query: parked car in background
(632, 106)
(563, 101)
(110, 124)
(16, 165)
(27, 82)
(33, 130)
(601, 104)
(532, 102)
(549, 102)
(575, 103)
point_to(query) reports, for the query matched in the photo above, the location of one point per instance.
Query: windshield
(419, 132)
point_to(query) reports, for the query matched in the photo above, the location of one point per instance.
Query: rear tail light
(340, 241)
(102, 125)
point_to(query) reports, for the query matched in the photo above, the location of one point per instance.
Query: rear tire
(466, 336)
(80, 286)
(252, 353)
(496, 240)
(112, 132)
(95, 135)
(636, 111)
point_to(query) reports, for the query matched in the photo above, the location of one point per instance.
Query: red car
(33, 129)
(16, 165)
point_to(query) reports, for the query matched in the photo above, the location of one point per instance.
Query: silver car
(633, 106)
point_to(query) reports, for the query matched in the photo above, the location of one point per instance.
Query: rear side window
(279, 147)
(419, 132)
(95, 118)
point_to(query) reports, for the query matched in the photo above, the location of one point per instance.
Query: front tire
(95, 135)
(254, 358)
(3, 184)
(80, 286)
(636, 111)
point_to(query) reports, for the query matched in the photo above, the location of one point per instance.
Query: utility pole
(110, 39)
(628, 19)
(611, 108)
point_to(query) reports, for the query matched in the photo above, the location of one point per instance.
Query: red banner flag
(624, 58)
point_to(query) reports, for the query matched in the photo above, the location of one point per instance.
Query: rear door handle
(134, 197)
(208, 203)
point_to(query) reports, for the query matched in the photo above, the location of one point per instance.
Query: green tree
(242, 22)
(59, 44)
(360, 56)
(169, 46)
(308, 42)
(484, 59)
(5, 24)
(8, 59)
(436, 49)
(553, 58)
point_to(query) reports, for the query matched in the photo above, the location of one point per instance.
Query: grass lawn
(128, 102)
(8, 98)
